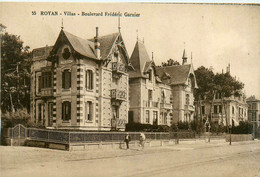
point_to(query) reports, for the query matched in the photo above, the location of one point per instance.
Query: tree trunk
(11, 102)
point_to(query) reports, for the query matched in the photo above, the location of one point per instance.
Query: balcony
(166, 105)
(46, 92)
(189, 107)
(151, 104)
(118, 68)
(118, 94)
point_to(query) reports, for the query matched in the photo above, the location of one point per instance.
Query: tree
(209, 84)
(15, 73)
(169, 62)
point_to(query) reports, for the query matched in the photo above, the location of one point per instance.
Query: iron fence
(66, 137)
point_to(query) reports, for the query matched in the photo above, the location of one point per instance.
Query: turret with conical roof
(184, 58)
(140, 60)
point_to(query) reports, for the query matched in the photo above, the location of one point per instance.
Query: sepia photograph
(130, 89)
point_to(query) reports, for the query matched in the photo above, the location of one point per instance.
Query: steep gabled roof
(82, 46)
(140, 61)
(178, 73)
(106, 44)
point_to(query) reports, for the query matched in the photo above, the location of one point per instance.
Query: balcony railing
(166, 105)
(189, 107)
(118, 94)
(118, 68)
(46, 92)
(218, 115)
(151, 104)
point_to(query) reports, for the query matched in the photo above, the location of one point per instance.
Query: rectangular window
(253, 116)
(46, 80)
(66, 111)
(233, 110)
(147, 116)
(220, 109)
(203, 109)
(39, 83)
(150, 95)
(155, 117)
(150, 75)
(66, 79)
(215, 109)
(39, 112)
(89, 108)
(187, 99)
(253, 106)
(89, 80)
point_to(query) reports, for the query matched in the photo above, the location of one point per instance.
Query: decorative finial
(137, 34)
(152, 56)
(184, 45)
(191, 58)
(62, 24)
(119, 23)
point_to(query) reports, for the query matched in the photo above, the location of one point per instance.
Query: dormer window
(150, 75)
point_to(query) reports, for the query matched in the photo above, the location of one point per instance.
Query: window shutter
(69, 76)
(90, 110)
(63, 113)
(86, 79)
(39, 83)
(63, 79)
(91, 79)
(69, 113)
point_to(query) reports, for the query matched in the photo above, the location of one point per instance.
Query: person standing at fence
(127, 140)
(142, 141)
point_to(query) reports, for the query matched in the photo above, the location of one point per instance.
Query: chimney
(97, 45)
(184, 58)
(228, 68)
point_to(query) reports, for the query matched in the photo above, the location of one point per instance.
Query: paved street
(201, 159)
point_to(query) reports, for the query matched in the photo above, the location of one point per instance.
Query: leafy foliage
(146, 127)
(208, 82)
(169, 62)
(244, 127)
(15, 73)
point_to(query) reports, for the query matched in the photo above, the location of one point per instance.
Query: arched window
(187, 99)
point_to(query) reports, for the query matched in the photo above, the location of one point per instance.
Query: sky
(215, 34)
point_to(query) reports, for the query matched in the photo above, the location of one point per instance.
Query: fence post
(69, 137)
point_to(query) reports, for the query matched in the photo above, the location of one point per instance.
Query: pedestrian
(142, 141)
(127, 140)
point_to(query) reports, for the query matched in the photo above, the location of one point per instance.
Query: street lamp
(230, 126)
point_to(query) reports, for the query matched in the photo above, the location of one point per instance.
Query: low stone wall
(15, 141)
(239, 137)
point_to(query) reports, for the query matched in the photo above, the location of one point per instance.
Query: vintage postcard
(130, 89)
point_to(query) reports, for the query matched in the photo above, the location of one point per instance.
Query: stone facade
(254, 111)
(160, 95)
(81, 83)
(226, 110)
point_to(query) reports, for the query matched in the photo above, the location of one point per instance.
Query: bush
(243, 128)
(184, 126)
(21, 116)
(138, 127)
